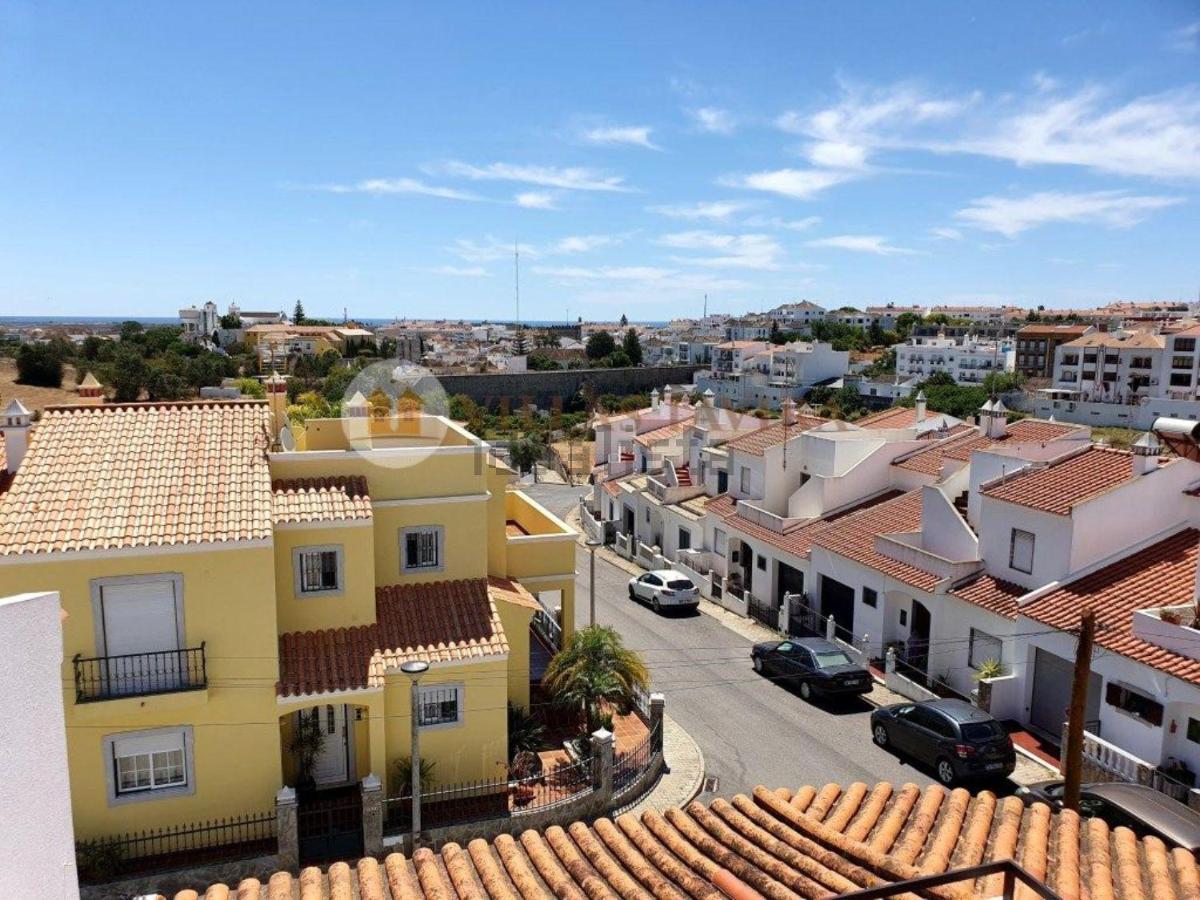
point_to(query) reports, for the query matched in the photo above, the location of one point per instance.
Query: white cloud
(582, 243)
(738, 251)
(787, 224)
(574, 178)
(946, 234)
(396, 186)
(863, 113)
(1185, 39)
(631, 135)
(862, 243)
(798, 184)
(463, 271)
(492, 248)
(1012, 215)
(713, 120)
(718, 210)
(837, 155)
(536, 200)
(608, 273)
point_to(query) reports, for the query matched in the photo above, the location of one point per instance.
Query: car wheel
(806, 691)
(655, 605)
(945, 771)
(632, 595)
(758, 664)
(879, 733)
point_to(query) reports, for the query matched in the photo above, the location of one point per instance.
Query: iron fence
(629, 765)
(176, 846)
(139, 674)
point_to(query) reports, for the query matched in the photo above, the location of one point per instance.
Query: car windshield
(680, 584)
(982, 731)
(830, 658)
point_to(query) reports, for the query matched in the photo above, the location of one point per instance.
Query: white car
(665, 589)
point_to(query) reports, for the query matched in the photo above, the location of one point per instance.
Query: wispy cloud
(797, 184)
(583, 243)
(862, 243)
(463, 271)
(777, 222)
(717, 210)
(1185, 39)
(629, 135)
(536, 200)
(946, 234)
(734, 251)
(396, 186)
(1010, 216)
(713, 120)
(572, 178)
(491, 248)
(837, 155)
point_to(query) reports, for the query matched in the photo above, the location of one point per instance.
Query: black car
(819, 667)
(1139, 807)
(956, 739)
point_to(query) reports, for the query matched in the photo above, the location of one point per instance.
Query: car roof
(666, 573)
(959, 710)
(1170, 818)
(815, 643)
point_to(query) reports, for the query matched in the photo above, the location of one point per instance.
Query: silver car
(664, 589)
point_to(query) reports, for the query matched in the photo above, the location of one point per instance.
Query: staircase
(683, 475)
(960, 503)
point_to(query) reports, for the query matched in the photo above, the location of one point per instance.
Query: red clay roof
(141, 475)
(895, 417)
(756, 442)
(854, 538)
(929, 461)
(664, 432)
(779, 844)
(443, 621)
(320, 499)
(1060, 486)
(1160, 575)
(991, 594)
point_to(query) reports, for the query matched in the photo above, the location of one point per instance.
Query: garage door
(141, 621)
(1051, 698)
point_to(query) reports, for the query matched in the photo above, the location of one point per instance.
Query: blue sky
(385, 157)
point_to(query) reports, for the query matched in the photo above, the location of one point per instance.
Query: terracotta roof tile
(991, 594)
(854, 538)
(895, 417)
(443, 621)
(756, 442)
(664, 432)
(960, 445)
(140, 475)
(1160, 575)
(1060, 486)
(320, 499)
(799, 539)
(776, 843)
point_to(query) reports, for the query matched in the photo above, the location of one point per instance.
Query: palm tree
(595, 668)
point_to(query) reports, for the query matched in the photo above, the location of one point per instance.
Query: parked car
(955, 738)
(1139, 807)
(665, 589)
(819, 667)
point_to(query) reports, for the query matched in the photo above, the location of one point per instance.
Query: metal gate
(764, 611)
(803, 620)
(330, 825)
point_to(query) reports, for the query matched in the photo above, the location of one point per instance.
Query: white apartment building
(968, 360)
(761, 375)
(797, 316)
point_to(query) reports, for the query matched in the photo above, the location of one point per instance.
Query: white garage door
(141, 620)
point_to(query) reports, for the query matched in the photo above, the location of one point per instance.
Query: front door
(141, 628)
(332, 765)
(917, 652)
(837, 600)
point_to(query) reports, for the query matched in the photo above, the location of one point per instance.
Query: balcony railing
(140, 674)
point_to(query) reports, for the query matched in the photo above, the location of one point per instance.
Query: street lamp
(414, 669)
(592, 544)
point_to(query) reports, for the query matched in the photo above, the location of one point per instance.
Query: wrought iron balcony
(139, 674)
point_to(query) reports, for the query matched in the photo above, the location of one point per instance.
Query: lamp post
(592, 544)
(414, 669)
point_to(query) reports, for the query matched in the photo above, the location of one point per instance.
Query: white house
(968, 360)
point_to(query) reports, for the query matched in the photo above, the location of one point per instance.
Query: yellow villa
(225, 576)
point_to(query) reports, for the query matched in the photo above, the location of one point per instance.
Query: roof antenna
(517, 276)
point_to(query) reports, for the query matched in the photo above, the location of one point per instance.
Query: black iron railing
(139, 674)
(1011, 874)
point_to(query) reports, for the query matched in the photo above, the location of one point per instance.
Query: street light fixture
(592, 544)
(414, 669)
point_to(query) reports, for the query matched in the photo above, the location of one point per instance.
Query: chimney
(356, 407)
(1145, 454)
(16, 422)
(276, 386)
(998, 423)
(789, 411)
(708, 398)
(667, 395)
(984, 418)
(654, 399)
(920, 407)
(91, 392)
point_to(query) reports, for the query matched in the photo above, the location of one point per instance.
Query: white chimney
(667, 395)
(356, 406)
(1145, 454)
(998, 423)
(708, 398)
(654, 399)
(985, 418)
(789, 411)
(920, 407)
(16, 422)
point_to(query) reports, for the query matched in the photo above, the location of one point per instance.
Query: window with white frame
(149, 764)
(983, 647)
(745, 476)
(421, 548)
(1020, 551)
(318, 570)
(440, 705)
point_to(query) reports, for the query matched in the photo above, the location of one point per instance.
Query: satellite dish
(286, 440)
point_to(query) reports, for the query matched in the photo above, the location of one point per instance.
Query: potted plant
(308, 739)
(594, 670)
(525, 733)
(989, 668)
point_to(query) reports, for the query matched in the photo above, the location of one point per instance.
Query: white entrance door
(332, 765)
(141, 620)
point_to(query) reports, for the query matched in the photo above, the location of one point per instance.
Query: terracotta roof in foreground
(1162, 574)
(320, 499)
(141, 475)
(756, 442)
(1060, 486)
(854, 538)
(443, 621)
(779, 844)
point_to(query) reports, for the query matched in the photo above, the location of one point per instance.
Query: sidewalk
(682, 778)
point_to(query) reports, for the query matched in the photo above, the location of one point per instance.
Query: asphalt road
(752, 731)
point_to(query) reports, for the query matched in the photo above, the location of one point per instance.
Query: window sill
(185, 790)
(312, 595)
(1128, 715)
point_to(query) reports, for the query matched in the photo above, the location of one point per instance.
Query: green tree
(632, 347)
(526, 452)
(521, 343)
(618, 359)
(540, 362)
(40, 365)
(252, 387)
(600, 345)
(848, 399)
(593, 670)
(231, 321)
(131, 330)
(163, 384)
(129, 374)
(298, 314)
(624, 320)
(775, 336)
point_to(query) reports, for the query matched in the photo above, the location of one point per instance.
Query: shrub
(40, 365)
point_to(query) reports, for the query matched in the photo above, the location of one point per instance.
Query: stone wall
(547, 389)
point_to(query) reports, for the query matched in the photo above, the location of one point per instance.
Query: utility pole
(517, 276)
(1073, 749)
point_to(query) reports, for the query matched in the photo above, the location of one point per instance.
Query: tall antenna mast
(517, 275)
(706, 306)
